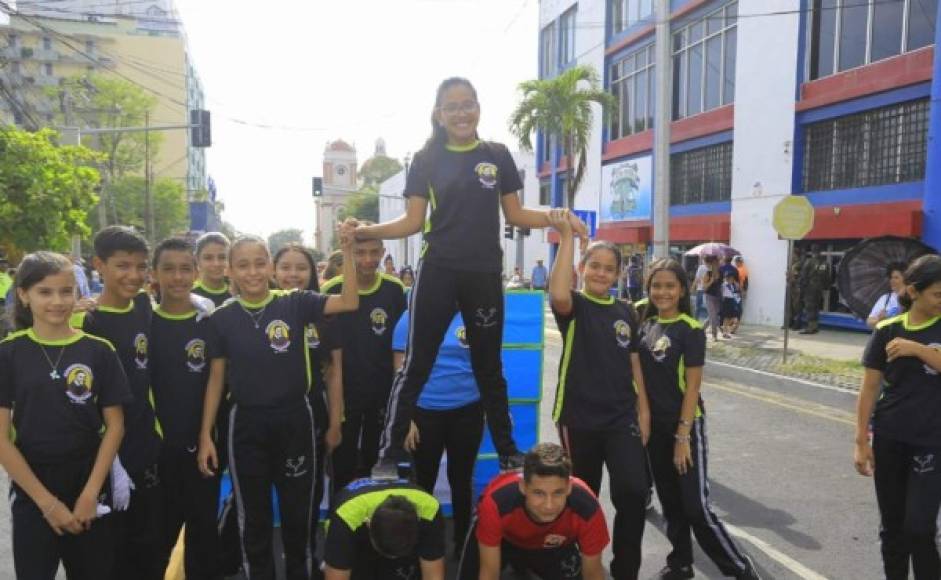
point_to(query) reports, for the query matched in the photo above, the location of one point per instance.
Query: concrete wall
(762, 164)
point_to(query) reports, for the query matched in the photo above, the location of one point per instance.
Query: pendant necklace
(54, 373)
(256, 316)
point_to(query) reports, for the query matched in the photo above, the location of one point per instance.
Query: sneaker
(680, 573)
(750, 573)
(386, 468)
(512, 462)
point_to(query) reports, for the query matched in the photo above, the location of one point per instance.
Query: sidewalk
(830, 357)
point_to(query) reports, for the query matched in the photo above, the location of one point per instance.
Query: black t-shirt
(266, 348)
(727, 269)
(667, 348)
(366, 339)
(910, 406)
(321, 341)
(347, 534)
(59, 418)
(218, 296)
(179, 372)
(463, 188)
(128, 329)
(596, 383)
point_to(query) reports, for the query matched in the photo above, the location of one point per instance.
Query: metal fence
(701, 175)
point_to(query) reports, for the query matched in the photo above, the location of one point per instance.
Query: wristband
(46, 512)
(686, 423)
(682, 438)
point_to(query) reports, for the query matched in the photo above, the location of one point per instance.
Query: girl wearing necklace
(62, 390)
(271, 433)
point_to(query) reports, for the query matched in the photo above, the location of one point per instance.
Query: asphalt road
(781, 477)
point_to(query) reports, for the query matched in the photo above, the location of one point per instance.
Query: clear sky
(351, 69)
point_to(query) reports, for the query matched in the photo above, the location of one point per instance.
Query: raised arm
(560, 280)
(348, 299)
(411, 222)
(522, 217)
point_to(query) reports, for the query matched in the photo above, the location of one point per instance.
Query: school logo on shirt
(140, 350)
(312, 336)
(196, 355)
(78, 383)
(378, 319)
(622, 332)
(553, 541)
(928, 369)
(279, 335)
(660, 348)
(461, 334)
(487, 174)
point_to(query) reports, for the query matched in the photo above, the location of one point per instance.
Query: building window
(632, 84)
(704, 62)
(846, 34)
(545, 147)
(549, 60)
(13, 40)
(545, 193)
(877, 147)
(47, 69)
(701, 175)
(567, 36)
(46, 43)
(627, 13)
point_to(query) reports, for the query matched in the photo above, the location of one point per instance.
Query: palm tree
(560, 107)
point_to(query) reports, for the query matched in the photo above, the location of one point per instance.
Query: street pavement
(782, 478)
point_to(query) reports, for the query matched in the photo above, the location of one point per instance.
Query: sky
(357, 70)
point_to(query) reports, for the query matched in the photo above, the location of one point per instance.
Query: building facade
(824, 98)
(339, 182)
(141, 42)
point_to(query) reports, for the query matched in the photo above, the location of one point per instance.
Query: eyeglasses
(466, 107)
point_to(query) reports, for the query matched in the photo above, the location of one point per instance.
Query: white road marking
(778, 376)
(802, 572)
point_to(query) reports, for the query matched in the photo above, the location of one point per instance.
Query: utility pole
(149, 220)
(664, 114)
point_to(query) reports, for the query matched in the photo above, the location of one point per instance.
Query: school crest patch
(622, 333)
(140, 350)
(196, 355)
(378, 319)
(312, 336)
(461, 334)
(78, 383)
(279, 335)
(487, 174)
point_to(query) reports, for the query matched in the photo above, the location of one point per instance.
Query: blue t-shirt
(451, 384)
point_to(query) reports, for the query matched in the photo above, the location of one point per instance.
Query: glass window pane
(679, 86)
(678, 40)
(646, 8)
(614, 113)
(694, 96)
(825, 44)
(627, 66)
(616, 15)
(728, 89)
(640, 101)
(626, 97)
(731, 14)
(921, 18)
(713, 72)
(715, 22)
(695, 32)
(651, 94)
(853, 32)
(887, 34)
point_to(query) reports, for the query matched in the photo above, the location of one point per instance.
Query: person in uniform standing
(814, 281)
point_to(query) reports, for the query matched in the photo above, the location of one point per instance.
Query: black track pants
(140, 534)
(191, 500)
(457, 431)
(622, 451)
(564, 563)
(685, 501)
(37, 550)
(438, 292)
(273, 447)
(908, 489)
(359, 449)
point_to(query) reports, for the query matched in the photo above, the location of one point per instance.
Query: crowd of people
(199, 359)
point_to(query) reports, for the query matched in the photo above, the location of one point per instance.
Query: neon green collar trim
(164, 314)
(261, 304)
(117, 310)
(922, 326)
(60, 342)
(202, 285)
(463, 148)
(374, 288)
(603, 301)
(669, 320)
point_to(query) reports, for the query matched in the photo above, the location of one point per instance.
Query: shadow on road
(753, 514)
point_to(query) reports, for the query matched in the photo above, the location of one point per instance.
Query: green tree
(171, 209)
(377, 169)
(281, 238)
(362, 205)
(561, 108)
(46, 190)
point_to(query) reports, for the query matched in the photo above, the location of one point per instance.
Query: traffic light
(200, 128)
(508, 231)
(318, 187)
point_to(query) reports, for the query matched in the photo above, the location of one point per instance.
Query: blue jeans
(700, 312)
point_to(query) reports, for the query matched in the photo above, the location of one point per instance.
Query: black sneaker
(750, 573)
(513, 462)
(680, 573)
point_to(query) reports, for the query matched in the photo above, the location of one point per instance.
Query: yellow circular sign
(793, 217)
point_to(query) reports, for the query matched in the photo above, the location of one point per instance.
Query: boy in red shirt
(544, 521)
